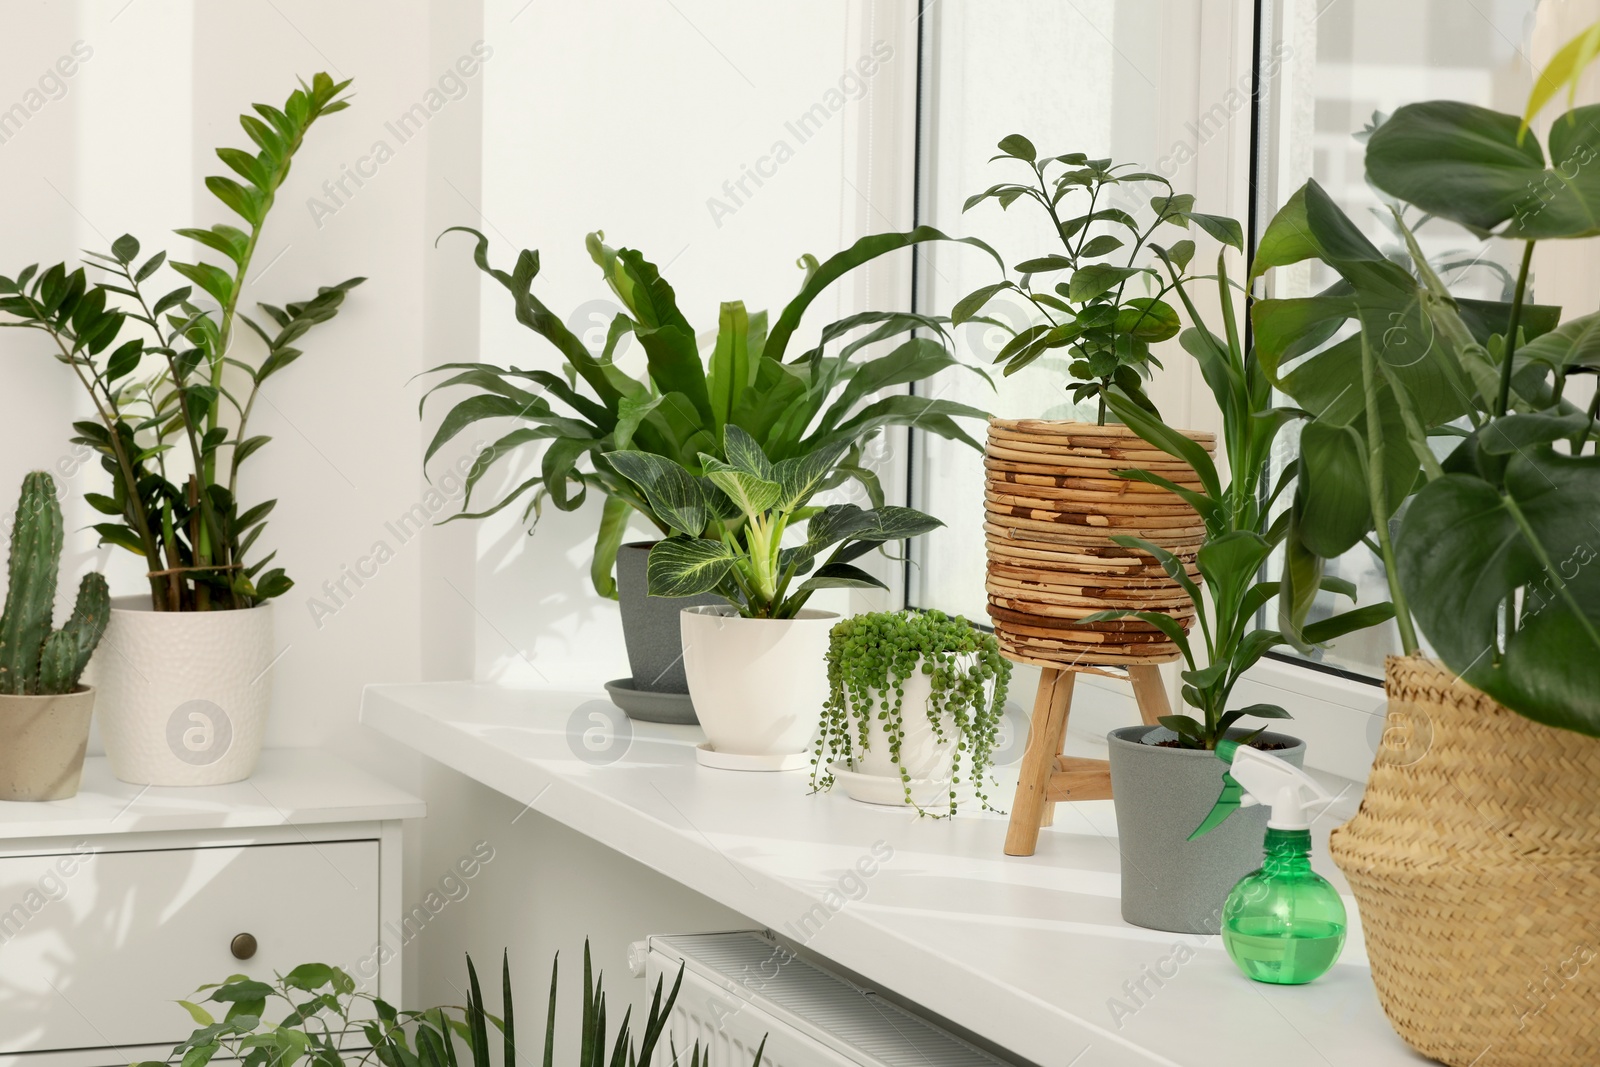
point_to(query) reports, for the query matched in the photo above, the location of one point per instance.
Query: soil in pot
(1161, 794)
(42, 742)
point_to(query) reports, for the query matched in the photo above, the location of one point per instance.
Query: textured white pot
(758, 685)
(183, 694)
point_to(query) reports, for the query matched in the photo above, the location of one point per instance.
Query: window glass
(1347, 65)
(1078, 77)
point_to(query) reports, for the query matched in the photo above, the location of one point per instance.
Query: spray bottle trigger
(1232, 795)
(1228, 802)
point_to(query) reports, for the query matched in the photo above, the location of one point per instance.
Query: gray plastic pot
(650, 626)
(42, 742)
(1161, 795)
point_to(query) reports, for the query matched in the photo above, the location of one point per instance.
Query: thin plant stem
(1503, 401)
(1378, 498)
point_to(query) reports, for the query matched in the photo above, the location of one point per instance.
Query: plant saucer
(882, 789)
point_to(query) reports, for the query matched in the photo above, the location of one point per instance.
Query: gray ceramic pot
(650, 625)
(1161, 795)
(42, 741)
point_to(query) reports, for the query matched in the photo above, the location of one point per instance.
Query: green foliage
(870, 658)
(327, 1023)
(1240, 533)
(679, 407)
(1080, 295)
(169, 388)
(1493, 557)
(728, 523)
(34, 660)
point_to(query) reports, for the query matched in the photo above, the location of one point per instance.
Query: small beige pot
(42, 741)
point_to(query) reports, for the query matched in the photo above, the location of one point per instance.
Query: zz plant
(1106, 330)
(728, 525)
(678, 408)
(870, 659)
(36, 660)
(174, 440)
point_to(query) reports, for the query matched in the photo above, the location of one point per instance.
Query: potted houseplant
(1475, 843)
(728, 528)
(914, 704)
(324, 1018)
(44, 712)
(1164, 779)
(184, 699)
(677, 408)
(1052, 502)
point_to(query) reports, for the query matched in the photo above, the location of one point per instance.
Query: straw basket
(1475, 859)
(1052, 503)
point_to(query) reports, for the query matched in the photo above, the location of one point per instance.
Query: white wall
(628, 118)
(125, 150)
(606, 115)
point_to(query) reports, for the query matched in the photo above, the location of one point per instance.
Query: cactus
(66, 652)
(56, 658)
(33, 659)
(31, 594)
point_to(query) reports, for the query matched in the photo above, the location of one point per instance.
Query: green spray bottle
(1283, 923)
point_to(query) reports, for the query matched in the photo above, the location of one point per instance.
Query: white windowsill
(1031, 954)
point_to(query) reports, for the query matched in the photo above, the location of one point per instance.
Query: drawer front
(94, 948)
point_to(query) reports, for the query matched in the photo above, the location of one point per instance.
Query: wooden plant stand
(1048, 777)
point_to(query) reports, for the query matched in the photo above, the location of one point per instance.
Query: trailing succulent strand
(34, 660)
(870, 659)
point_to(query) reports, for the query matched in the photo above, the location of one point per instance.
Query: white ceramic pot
(873, 775)
(924, 755)
(758, 685)
(184, 694)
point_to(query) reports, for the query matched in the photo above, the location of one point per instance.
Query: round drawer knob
(243, 946)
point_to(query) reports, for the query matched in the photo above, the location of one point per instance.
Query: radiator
(741, 987)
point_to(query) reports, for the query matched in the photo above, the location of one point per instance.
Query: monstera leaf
(1465, 550)
(1468, 164)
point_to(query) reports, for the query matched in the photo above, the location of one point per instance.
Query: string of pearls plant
(870, 659)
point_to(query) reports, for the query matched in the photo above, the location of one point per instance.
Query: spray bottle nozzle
(1255, 777)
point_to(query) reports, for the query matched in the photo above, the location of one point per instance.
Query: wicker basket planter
(1051, 506)
(1475, 859)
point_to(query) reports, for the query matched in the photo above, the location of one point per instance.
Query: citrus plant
(1105, 330)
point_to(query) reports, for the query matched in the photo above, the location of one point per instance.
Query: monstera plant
(1452, 412)
(1452, 437)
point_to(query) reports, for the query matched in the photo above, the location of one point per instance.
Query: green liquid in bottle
(1284, 923)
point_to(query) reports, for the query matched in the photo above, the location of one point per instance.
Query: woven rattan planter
(1052, 503)
(1475, 858)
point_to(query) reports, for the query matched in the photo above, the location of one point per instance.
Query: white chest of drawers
(124, 899)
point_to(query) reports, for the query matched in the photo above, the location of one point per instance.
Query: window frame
(1226, 50)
